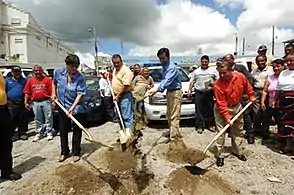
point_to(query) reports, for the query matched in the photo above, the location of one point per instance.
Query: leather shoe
(240, 157)
(76, 158)
(220, 162)
(62, 158)
(12, 176)
(250, 140)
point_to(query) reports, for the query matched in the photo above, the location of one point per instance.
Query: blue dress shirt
(171, 78)
(67, 93)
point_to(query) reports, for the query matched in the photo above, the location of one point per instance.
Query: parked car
(6, 71)
(156, 106)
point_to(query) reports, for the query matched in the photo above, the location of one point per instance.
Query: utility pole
(273, 41)
(96, 63)
(243, 47)
(236, 46)
(122, 48)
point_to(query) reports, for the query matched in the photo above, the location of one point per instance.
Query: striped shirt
(200, 76)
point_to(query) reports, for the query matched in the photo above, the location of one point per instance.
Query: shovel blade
(98, 143)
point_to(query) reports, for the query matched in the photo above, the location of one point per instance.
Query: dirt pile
(193, 180)
(178, 152)
(118, 161)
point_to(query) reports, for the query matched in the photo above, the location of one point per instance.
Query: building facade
(26, 42)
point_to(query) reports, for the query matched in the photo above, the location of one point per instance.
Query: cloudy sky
(182, 25)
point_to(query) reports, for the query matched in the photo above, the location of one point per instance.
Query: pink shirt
(273, 81)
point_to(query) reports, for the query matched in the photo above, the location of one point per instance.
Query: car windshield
(156, 74)
(92, 83)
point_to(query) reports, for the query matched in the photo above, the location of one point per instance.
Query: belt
(172, 89)
(257, 88)
(41, 100)
(15, 101)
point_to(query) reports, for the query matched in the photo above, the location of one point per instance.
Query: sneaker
(37, 138)
(49, 136)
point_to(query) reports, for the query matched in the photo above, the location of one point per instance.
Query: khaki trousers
(235, 130)
(174, 102)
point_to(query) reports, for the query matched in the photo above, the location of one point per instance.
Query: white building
(26, 42)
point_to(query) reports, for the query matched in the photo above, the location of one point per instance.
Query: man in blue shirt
(172, 83)
(19, 115)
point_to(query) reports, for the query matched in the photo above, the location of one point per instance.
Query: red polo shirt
(229, 93)
(38, 89)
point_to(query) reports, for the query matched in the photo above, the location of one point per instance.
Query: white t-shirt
(200, 76)
(286, 81)
(104, 86)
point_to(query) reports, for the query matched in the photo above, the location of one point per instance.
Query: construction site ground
(166, 168)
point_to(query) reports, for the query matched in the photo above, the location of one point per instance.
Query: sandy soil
(160, 168)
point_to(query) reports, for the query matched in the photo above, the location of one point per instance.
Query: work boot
(122, 137)
(250, 139)
(220, 162)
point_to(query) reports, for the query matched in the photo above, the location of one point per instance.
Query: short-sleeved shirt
(67, 92)
(140, 85)
(38, 89)
(260, 76)
(15, 88)
(286, 81)
(200, 76)
(122, 78)
(273, 81)
(3, 97)
(103, 84)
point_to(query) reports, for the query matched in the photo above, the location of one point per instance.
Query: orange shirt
(229, 93)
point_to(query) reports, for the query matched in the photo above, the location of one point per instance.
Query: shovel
(89, 137)
(123, 137)
(227, 126)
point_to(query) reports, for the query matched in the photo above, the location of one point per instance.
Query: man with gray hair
(39, 90)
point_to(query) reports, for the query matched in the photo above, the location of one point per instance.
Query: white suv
(155, 106)
(6, 71)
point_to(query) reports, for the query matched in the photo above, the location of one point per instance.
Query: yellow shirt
(122, 78)
(3, 97)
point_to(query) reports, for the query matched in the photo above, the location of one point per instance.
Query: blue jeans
(126, 105)
(43, 116)
(248, 124)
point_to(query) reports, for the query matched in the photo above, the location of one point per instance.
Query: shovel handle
(74, 120)
(227, 126)
(116, 106)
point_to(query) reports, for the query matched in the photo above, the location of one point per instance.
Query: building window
(18, 40)
(15, 21)
(38, 37)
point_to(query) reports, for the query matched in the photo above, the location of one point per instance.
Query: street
(113, 172)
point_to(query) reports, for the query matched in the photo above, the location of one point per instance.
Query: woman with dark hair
(137, 70)
(285, 104)
(69, 88)
(141, 84)
(269, 91)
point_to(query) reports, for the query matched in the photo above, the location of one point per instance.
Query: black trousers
(109, 106)
(203, 108)
(65, 125)
(19, 117)
(5, 142)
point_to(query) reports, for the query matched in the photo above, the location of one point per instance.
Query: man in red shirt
(39, 90)
(228, 91)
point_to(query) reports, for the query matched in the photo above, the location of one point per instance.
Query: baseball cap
(262, 48)
(15, 68)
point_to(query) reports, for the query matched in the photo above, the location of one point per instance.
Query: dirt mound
(118, 161)
(78, 179)
(193, 180)
(179, 153)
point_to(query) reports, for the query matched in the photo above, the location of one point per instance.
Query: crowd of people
(220, 94)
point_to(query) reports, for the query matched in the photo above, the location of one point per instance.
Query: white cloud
(88, 58)
(185, 27)
(181, 25)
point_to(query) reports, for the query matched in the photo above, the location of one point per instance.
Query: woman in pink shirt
(269, 91)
